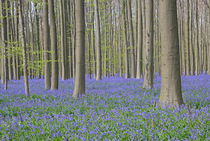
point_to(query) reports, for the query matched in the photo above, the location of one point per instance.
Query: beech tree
(79, 81)
(22, 34)
(126, 61)
(98, 42)
(132, 58)
(5, 44)
(46, 45)
(149, 68)
(209, 40)
(139, 68)
(170, 93)
(64, 53)
(54, 50)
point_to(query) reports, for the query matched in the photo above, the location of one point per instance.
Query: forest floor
(112, 109)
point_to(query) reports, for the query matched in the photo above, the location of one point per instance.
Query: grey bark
(79, 82)
(126, 42)
(5, 44)
(38, 39)
(149, 68)
(53, 34)
(46, 46)
(131, 40)
(98, 42)
(24, 49)
(187, 40)
(64, 65)
(197, 68)
(93, 47)
(139, 73)
(170, 93)
(209, 40)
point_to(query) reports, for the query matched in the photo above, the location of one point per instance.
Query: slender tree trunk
(9, 41)
(38, 41)
(64, 65)
(17, 39)
(144, 32)
(89, 55)
(42, 48)
(119, 43)
(157, 55)
(73, 39)
(182, 39)
(79, 83)
(54, 81)
(69, 37)
(13, 50)
(187, 40)
(126, 42)
(0, 53)
(206, 46)
(201, 45)
(170, 93)
(46, 45)
(106, 42)
(192, 56)
(197, 69)
(179, 19)
(209, 40)
(1, 64)
(5, 43)
(24, 49)
(149, 68)
(110, 37)
(33, 46)
(98, 42)
(93, 47)
(131, 39)
(140, 42)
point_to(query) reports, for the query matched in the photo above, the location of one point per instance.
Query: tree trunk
(197, 69)
(64, 65)
(126, 42)
(119, 44)
(53, 34)
(98, 42)
(192, 56)
(5, 44)
(46, 45)
(209, 40)
(170, 93)
(187, 40)
(38, 41)
(182, 39)
(131, 39)
(89, 55)
(73, 39)
(93, 47)
(13, 50)
(24, 49)
(9, 41)
(139, 73)
(79, 83)
(149, 68)
(17, 39)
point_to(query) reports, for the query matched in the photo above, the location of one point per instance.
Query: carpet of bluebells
(112, 109)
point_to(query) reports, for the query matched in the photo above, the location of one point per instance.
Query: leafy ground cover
(112, 109)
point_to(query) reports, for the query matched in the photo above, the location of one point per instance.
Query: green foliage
(1, 101)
